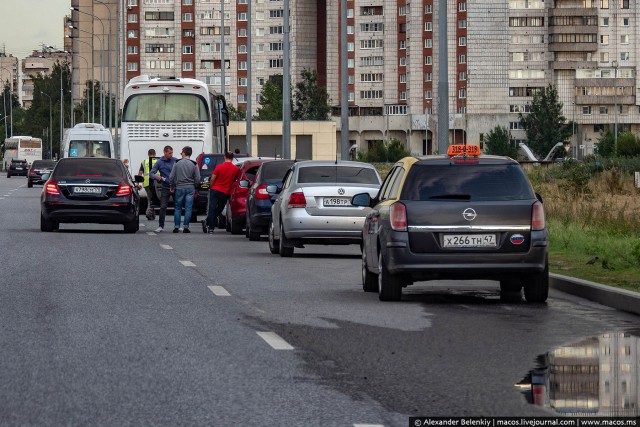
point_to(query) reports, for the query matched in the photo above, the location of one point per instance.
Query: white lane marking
(187, 263)
(166, 247)
(142, 225)
(275, 341)
(151, 233)
(1, 198)
(219, 291)
(6, 195)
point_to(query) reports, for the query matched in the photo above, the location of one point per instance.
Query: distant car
(468, 216)
(17, 168)
(236, 212)
(206, 164)
(259, 200)
(315, 206)
(89, 190)
(38, 167)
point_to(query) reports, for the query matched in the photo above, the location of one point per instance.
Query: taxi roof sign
(460, 150)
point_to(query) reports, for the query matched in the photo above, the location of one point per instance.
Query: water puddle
(596, 376)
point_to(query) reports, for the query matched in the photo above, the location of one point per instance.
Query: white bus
(22, 148)
(88, 140)
(171, 111)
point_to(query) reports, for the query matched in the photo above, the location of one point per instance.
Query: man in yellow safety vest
(149, 187)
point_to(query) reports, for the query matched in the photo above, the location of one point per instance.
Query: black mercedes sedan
(89, 190)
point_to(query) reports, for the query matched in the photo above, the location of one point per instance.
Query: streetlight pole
(50, 124)
(110, 119)
(615, 107)
(10, 100)
(93, 82)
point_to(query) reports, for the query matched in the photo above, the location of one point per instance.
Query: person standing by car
(149, 187)
(219, 186)
(160, 172)
(183, 179)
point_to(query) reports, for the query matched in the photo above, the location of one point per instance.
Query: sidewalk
(610, 296)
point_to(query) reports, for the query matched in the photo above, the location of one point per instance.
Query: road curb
(617, 298)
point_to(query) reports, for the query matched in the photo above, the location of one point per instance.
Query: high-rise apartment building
(500, 53)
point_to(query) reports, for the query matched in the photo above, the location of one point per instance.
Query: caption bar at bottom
(524, 422)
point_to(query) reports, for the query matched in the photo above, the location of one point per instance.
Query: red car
(236, 209)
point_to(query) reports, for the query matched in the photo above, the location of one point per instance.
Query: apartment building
(9, 72)
(40, 63)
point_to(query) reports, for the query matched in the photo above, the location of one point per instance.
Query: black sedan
(89, 190)
(37, 169)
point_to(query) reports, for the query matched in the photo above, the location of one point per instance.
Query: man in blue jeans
(183, 180)
(160, 172)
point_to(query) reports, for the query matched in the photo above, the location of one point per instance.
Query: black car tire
(274, 245)
(235, 227)
(389, 285)
(286, 245)
(29, 183)
(536, 287)
(132, 226)
(369, 280)
(252, 235)
(46, 225)
(510, 286)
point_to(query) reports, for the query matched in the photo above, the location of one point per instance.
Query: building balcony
(573, 29)
(573, 11)
(573, 65)
(573, 47)
(605, 100)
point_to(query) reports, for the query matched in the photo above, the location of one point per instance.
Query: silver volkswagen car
(314, 206)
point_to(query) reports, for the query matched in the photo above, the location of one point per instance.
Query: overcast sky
(25, 25)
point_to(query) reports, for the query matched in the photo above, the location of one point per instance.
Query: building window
(462, 59)
(403, 61)
(624, 56)
(462, 23)
(604, 4)
(187, 66)
(402, 11)
(428, 43)
(187, 33)
(132, 50)
(132, 34)
(428, 60)
(625, 22)
(586, 110)
(277, 13)
(187, 2)
(274, 63)
(242, 98)
(158, 16)
(259, 32)
(428, 26)
(242, 32)
(624, 4)
(403, 95)
(604, 39)
(462, 41)
(242, 48)
(403, 78)
(187, 49)
(351, 47)
(604, 22)
(428, 77)
(462, 110)
(624, 39)
(604, 56)
(275, 47)
(132, 3)
(242, 65)
(132, 66)
(604, 110)
(132, 17)
(428, 9)
(242, 16)
(403, 44)
(462, 6)
(428, 94)
(350, 29)
(462, 75)
(276, 30)
(462, 93)
(351, 63)
(187, 17)
(242, 81)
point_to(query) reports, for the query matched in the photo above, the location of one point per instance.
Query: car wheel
(274, 245)
(46, 225)
(536, 287)
(29, 183)
(286, 245)
(369, 280)
(236, 226)
(132, 226)
(510, 286)
(389, 285)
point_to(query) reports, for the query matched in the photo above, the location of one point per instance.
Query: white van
(88, 140)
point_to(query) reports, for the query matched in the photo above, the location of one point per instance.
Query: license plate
(19, 169)
(469, 241)
(87, 190)
(336, 201)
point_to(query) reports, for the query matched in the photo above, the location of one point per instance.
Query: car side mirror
(361, 199)
(45, 176)
(243, 183)
(138, 178)
(539, 197)
(272, 189)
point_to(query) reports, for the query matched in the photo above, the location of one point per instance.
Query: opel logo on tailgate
(469, 214)
(341, 191)
(87, 181)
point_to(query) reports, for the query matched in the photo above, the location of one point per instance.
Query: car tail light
(537, 217)
(52, 189)
(398, 217)
(123, 190)
(32, 172)
(297, 200)
(262, 193)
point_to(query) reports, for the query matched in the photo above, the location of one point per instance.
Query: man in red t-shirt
(219, 187)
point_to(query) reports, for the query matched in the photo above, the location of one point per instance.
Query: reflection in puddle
(596, 376)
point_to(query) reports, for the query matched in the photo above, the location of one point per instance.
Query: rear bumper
(95, 214)
(14, 172)
(300, 225)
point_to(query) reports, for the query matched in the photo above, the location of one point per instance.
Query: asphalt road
(98, 327)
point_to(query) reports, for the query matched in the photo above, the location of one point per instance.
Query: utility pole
(443, 79)
(344, 84)
(286, 87)
(249, 79)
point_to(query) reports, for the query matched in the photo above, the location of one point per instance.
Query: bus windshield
(89, 149)
(166, 107)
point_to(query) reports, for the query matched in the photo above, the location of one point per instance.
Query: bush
(380, 153)
(628, 145)
(577, 176)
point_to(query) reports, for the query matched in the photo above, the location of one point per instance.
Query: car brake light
(398, 217)
(32, 172)
(123, 190)
(262, 193)
(297, 200)
(52, 189)
(537, 217)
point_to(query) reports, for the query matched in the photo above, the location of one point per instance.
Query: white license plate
(469, 241)
(87, 190)
(336, 201)
(19, 169)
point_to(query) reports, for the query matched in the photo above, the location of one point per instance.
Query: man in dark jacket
(160, 172)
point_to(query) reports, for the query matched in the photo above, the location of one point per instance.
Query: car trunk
(499, 226)
(95, 190)
(335, 200)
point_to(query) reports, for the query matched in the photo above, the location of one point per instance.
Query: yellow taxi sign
(460, 149)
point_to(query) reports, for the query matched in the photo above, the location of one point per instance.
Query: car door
(277, 208)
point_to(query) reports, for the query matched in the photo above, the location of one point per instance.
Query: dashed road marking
(187, 263)
(166, 247)
(219, 291)
(275, 341)
(151, 233)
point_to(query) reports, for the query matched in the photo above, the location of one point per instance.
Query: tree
(545, 125)
(498, 142)
(628, 145)
(236, 114)
(311, 101)
(606, 144)
(271, 100)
